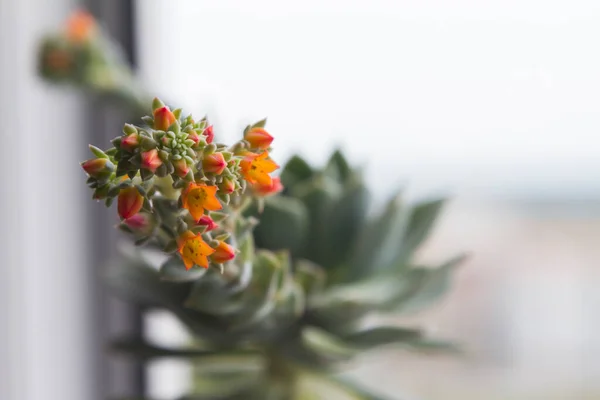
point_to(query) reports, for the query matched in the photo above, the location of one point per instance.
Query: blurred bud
(98, 167)
(268, 189)
(181, 168)
(150, 160)
(193, 135)
(130, 142)
(227, 185)
(208, 132)
(80, 26)
(163, 118)
(130, 202)
(223, 253)
(207, 221)
(140, 223)
(258, 138)
(214, 163)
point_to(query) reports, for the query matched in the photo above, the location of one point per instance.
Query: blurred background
(493, 103)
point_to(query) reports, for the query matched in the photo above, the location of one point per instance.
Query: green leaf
(296, 170)
(318, 195)
(139, 348)
(343, 224)
(283, 224)
(379, 336)
(379, 241)
(337, 167)
(312, 386)
(260, 124)
(310, 276)
(430, 285)
(421, 221)
(173, 270)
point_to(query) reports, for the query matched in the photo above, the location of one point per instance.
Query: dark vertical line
(110, 316)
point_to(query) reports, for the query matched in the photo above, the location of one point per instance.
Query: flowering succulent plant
(269, 323)
(169, 169)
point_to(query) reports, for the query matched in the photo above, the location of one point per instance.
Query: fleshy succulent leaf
(296, 170)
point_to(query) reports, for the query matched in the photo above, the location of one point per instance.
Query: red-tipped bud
(80, 26)
(258, 138)
(268, 190)
(163, 118)
(150, 160)
(130, 142)
(227, 186)
(208, 132)
(98, 167)
(207, 221)
(130, 202)
(181, 168)
(139, 223)
(223, 253)
(214, 163)
(193, 135)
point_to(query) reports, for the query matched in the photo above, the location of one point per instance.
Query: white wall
(43, 304)
(499, 97)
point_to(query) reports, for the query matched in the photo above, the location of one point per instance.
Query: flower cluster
(175, 185)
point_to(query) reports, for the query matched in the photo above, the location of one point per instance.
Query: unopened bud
(130, 202)
(223, 253)
(208, 132)
(98, 167)
(214, 163)
(150, 160)
(258, 138)
(163, 118)
(130, 142)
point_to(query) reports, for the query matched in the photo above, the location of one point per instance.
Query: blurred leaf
(381, 336)
(313, 386)
(337, 167)
(343, 224)
(326, 344)
(429, 285)
(379, 241)
(310, 276)
(421, 220)
(141, 349)
(318, 195)
(295, 170)
(435, 346)
(173, 270)
(283, 224)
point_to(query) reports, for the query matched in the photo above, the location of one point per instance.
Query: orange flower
(194, 250)
(130, 202)
(223, 253)
(163, 118)
(267, 190)
(150, 160)
(256, 168)
(208, 222)
(198, 197)
(80, 26)
(214, 163)
(258, 138)
(208, 132)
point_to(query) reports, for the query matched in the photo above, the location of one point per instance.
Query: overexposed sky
(498, 98)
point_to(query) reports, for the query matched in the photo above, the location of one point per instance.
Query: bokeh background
(493, 103)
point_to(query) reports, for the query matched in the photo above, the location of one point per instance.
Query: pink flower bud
(258, 138)
(150, 160)
(214, 163)
(208, 222)
(163, 118)
(181, 168)
(227, 186)
(193, 135)
(208, 132)
(130, 202)
(130, 142)
(223, 253)
(140, 223)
